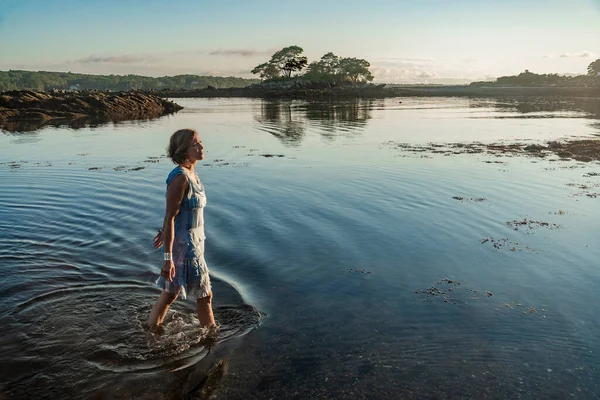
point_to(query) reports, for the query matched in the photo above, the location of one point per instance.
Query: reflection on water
(288, 120)
(588, 106)
(27, 137)
(77, 123)
(32, 125)
(281, 121)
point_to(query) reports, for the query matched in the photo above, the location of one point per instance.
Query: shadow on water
(288, 120)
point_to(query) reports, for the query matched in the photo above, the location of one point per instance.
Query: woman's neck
(188, 165)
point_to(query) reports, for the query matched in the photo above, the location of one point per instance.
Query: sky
(406, 41)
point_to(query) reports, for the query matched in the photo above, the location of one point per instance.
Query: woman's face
(196, 150)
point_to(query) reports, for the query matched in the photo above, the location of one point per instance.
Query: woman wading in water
(184, 269)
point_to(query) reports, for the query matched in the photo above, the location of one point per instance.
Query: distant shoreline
(495, 91)
(378, 91)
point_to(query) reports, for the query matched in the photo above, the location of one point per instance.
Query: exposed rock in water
(28, 110)
(584, 150)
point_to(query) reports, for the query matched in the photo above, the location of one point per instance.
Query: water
(326, 245)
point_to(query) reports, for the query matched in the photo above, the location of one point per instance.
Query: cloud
(415, 76)
(398, 73)
(122, 59)
(428, 70)
(580, 54)
(239, 52)
(404, 69)
(547, 56)
(196, 62)
(426, 75)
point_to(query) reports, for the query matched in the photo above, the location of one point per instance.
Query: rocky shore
(28, 110)
(314, 90)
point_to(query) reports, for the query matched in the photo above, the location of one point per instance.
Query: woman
(184, 269)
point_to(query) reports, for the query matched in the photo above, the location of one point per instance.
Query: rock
(555, 145)
(534, 147)
(28, 110)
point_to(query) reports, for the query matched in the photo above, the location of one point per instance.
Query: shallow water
(336, 257)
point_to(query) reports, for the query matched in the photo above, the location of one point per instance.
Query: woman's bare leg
(160, 308)
(204, 311)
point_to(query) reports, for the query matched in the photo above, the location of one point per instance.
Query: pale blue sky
(405, 40)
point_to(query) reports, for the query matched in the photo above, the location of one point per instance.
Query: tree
(327, 67)
(294, 64)
(287, 55)
(330, 64)
(266, 71)
(594, 68)
(355, 69)
(260, 70)
(333, 69)
(284, 61)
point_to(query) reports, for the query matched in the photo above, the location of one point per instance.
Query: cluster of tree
(282, 63)
(330, 68)
(30, 80)
(528, 78)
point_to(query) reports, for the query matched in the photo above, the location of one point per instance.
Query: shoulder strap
(174, 173)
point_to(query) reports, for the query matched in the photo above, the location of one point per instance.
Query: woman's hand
(158, 239)
(168, 270)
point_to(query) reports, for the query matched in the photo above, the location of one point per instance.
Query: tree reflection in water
(288, 120)
(281, 120)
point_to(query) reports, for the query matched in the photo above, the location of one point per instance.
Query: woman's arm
(157, 242)
(175, 194)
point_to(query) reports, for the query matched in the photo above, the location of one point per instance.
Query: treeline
(330, 68)
(46, 81)
(531, 79)
(527, 78)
